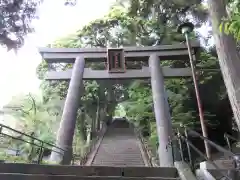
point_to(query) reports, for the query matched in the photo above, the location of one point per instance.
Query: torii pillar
(68, 121)
(162, 113)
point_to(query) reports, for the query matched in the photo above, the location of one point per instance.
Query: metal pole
(199, 103)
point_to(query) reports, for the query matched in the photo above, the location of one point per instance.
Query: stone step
(119, 147)
(71, 177)
(117, 160)
(88, 170)
(122, 164)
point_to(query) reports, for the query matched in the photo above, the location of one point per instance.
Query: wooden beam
(165, 52)
(176, 46)
(143, 73)
(101, 57)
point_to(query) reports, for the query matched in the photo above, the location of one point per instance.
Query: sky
(18, 71)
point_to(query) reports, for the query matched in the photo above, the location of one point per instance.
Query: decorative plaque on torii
(116, 60)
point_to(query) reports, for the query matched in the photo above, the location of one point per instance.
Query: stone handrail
(147, 150)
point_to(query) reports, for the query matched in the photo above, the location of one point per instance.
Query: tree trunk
(229, 58)
(110, 103)
(98, 116)
(92, 115)
(82, 128)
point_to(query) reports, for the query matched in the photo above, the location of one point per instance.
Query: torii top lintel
(165, 52)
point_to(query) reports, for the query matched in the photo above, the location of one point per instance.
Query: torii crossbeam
(166, 52)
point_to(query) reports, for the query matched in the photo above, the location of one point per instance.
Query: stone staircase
(118, 156)
(119, 147)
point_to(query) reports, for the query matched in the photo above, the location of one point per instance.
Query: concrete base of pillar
(184, 171)
(61, 157)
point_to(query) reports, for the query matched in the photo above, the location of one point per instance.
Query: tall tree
(15, 20)
(232, 23)
(229, 58)
(34, 116)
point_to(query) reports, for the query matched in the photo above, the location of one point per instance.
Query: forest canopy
(15, 21)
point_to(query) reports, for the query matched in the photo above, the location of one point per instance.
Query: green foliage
(12, 159)
(35, 118)
(231, 25)
(15, 19)
(18, 159)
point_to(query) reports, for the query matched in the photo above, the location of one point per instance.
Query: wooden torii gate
(116, 59)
